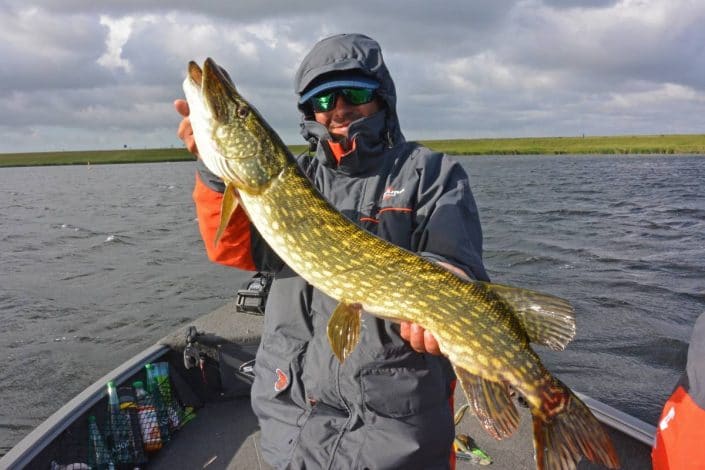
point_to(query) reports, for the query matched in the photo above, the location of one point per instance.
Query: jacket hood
(349, 53)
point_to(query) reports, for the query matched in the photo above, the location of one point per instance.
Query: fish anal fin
(344, 329)
(491, 402)
(547, 320)
(228, 207)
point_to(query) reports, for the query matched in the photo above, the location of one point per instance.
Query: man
(389, 405)
(680, 434)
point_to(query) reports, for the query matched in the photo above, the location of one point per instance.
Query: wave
(667, 353)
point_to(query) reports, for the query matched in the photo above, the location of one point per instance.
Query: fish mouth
(198, 87)
(218, 90)
(195, 74)
(215, 86)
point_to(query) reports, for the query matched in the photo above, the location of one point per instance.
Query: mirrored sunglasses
(354, 96)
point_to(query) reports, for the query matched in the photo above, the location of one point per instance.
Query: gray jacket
(386, 406)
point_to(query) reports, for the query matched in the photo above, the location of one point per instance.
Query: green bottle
(162, 410)
(161, 373)
(98, 453)
(120, 429)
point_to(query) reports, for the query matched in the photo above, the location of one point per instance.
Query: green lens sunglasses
(354, 96)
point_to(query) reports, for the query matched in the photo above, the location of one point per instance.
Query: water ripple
(97, 265)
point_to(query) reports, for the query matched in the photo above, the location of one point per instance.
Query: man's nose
(341, 104)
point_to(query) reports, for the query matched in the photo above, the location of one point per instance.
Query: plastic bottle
(120, 429)
(162, 411)
(151, 378)
(98, 453)
(128, 406)
(161, 370)
(149, 421)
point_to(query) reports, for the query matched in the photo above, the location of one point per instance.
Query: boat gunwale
(44, 434)
(22, 453)
(620, 421)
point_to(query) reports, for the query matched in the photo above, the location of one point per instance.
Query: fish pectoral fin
(344, 329)
(491, 402)
(227, 208)
(547, 320)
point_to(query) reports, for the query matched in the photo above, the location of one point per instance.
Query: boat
(210, 363)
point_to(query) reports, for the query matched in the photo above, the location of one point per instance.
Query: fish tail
(565, 429)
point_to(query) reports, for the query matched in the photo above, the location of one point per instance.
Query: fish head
(233, 140)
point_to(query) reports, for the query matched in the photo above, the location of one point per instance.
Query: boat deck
(225, 436)
(224, 433)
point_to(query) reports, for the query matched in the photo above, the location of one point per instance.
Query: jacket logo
(667, 419)
(282, 381)
(391, 192)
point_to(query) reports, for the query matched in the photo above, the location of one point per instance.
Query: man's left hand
(421, 340)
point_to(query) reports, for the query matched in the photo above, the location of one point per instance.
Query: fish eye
(243, 112)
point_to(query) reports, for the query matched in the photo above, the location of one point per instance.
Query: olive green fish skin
(478, 325)
(349, 264)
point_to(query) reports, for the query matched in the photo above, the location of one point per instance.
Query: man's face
(339, 118)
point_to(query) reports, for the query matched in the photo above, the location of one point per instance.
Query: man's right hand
(185, 131)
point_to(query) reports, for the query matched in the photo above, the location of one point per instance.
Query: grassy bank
(94, 157)
(644, 144)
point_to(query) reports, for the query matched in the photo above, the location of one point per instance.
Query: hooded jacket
(386, 406)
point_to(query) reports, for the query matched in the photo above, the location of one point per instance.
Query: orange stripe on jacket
(680, 435)
(234, 247)
(386, 209)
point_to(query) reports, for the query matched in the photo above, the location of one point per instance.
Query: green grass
(94, 157)
(642, 144)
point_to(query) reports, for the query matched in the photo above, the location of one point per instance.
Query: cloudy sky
(86, 74)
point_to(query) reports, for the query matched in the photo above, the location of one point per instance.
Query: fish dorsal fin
(491, 403)
(344, 329)
(548, 320)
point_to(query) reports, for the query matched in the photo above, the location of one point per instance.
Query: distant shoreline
(635, 144)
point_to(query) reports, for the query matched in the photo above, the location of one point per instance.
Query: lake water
(96, 263)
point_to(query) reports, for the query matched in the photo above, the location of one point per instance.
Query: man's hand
(185, 131)
(421, 340)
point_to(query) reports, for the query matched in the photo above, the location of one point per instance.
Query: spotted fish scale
(348, 263)
(484, 329)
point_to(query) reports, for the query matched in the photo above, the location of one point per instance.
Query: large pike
(484, 329)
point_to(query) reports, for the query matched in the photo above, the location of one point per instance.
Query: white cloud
(118, 33)
(655, 97)
(94, 74)
(486, 70)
